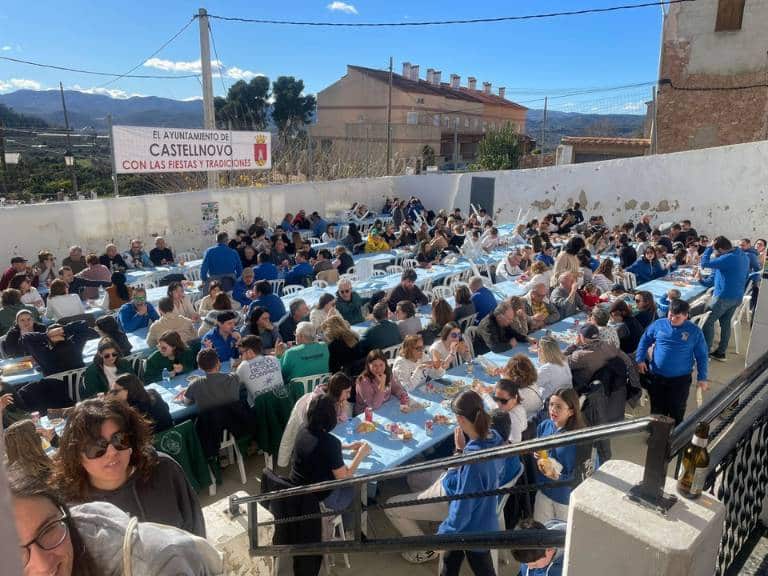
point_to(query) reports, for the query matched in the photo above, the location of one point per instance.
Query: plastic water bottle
(166, 377)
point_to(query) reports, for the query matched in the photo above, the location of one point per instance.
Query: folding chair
(391, 352)
(277, 286)
(313, 381)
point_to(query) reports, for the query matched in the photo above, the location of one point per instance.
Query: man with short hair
(307, 358)
(138, 313)
(265, 270)
(731, 267)
(676, 342)
(136, 257)
(258, 372)
(241, 291)
(78, 284)
(170, 321)
(161, 255)
(297, 312)
(600, 317)
(264, 298)
(566, 296)
(223, 337)
(482, 298)
(75, 260)
(343, 261)
(18, 265)
(540, 561)
(496, 332)
(349, 303)
(323, 261)
(539, 309)
(319, 226)
(754, 258)
(214, 389)
(407, 321)
(590, 354)
(221, 262)
(383, 333)
(406, 290)
(301, 273)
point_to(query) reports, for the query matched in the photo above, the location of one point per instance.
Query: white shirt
(64, 306)
(602, 283)
(530, 400)
(490, 243)
(543, 278)
(260, 375)
(111, 373)
(507, 271)
(471, 248)
(411, 375)
(33, 298)
(552, 377)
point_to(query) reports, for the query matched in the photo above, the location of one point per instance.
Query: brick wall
(534, 160)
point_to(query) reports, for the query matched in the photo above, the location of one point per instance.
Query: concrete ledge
(609, 534)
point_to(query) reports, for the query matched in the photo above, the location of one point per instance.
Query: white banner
(140, 149)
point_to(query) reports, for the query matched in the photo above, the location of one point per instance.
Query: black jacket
(494, 337)
(12, 346)
(62, 356)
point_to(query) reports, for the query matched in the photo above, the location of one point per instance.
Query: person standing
(677, 342)
(221, 263)
(731, 266)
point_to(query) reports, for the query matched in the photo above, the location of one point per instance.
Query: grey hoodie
(155, 549)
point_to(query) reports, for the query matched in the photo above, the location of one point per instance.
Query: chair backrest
(186, 256)
(392, 352)
(442, 291)
(320, 284)
(147, 282)
(348, 276)
(277, 286)
(329, 276)
(71, 380)
(292, 289)
(629, 280)
(466, 322)
(192, 274)
(469, 336)
(378, 274)
(313, 381)
(410, 263)
(394, 269)
(137, 364)
(701, 318)
(314, 241)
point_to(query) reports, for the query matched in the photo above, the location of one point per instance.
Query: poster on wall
(209, 218)
(146, 150)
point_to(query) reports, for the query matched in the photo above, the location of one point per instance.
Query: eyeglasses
(344, 291)
(96, 450)
(106, 355)
(501, 401)
(49, 537)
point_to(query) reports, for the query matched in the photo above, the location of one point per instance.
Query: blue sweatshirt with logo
(565, 455)
(731, 272)
(220, 260)
(645, 271)
(555, 568)
(473, 514)
(676, 347)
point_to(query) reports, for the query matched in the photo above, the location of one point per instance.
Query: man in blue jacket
(221, 262)
(264, 298)
(732, 267)
(677, 343)
(482, 298)
(265, 270)
(138, 313)
(300, 272)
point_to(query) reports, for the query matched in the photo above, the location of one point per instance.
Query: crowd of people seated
(247, 342)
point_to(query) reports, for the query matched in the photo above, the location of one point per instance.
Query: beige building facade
(352, 115)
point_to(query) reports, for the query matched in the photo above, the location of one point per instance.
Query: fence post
(650, 492)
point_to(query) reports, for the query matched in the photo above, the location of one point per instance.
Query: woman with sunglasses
(450, 348)
(146, 401)
(506, 395)
(646, 309)
(89, 540)
(106, 455)
(106, 367)
(558, 463)
(172, 355)
(413, 367)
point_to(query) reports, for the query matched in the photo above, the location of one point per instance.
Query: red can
(428, 425)
(368, 414)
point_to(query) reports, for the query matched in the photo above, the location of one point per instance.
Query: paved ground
(630, 448)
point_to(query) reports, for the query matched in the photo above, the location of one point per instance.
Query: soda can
(35, 417)
(368, 414)
(428, 425)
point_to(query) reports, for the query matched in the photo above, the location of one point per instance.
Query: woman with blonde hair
(412, 367)
(540, 273)
(554, 372)
(344, 351)
(24, 447)
(520, 370)
(603, 276)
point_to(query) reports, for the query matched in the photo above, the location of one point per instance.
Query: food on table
(680, 283)
(451, 390)
(442, 420)
(16, 367)
(365, 427)
(406, 435)
(481, 388)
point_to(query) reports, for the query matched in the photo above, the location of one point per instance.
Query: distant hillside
(13, 120)
(561, 124)
(91, 110)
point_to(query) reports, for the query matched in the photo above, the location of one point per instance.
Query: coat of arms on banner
(260, 151)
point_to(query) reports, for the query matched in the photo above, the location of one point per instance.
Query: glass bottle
(695, 463)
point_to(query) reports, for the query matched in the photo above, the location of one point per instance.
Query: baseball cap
(589, 331)
(18, 260)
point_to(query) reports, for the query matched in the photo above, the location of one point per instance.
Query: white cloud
(239, 74)
(194, 66)
(19, 84)
(6, 48)
(111, 92)
(191, 98)
(342, 7)
(634, 106)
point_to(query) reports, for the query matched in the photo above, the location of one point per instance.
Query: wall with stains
(722, 190)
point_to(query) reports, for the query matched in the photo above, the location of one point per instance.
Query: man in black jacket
(60, 348)
(406, 290)
(76, 284)
(495, 331)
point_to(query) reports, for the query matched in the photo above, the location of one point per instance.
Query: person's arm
(366, 392)
(701, 354)
(347, 471)
(129, 319)
(204, 266)
(641, 355)
(421, 298)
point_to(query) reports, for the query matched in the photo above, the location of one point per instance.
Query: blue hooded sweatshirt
(565, 455)
(731, 272)
(646, 271)
(555, 567)
(675, 348)
(473, 514)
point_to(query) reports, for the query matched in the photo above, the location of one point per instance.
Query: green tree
(498, 150)
(246, 106)
(428, 156)
(291, 111)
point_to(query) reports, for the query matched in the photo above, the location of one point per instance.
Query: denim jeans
(721, 310)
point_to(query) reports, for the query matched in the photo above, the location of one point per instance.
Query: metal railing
(649, 492)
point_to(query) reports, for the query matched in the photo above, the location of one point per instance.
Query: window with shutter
(729, 15)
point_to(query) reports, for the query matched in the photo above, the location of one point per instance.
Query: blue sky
(530, 58)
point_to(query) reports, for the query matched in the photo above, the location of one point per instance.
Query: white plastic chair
(466, 322)
(394, 269)
(292, 289)
(192, 274)
(469, 336)
(320, 284)
(629, 280)
(186, 256)
(442, 292)
(348, 276)
(738, 318)
(335, 528)
(378, 274)
(277, 286)
(313, 381)
(410, 263)
(392, 352)
(314, 241)
(71, 380)
(229, 443)
(701, 318)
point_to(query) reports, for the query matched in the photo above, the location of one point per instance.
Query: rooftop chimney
(436, 77)
(501, 91)
(430, 74)
(415, 72)
(406, 69)
(487, 87)
(455, 81)
(472, 83)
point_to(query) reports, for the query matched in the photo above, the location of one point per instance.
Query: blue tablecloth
(154, 295)
(136, 275)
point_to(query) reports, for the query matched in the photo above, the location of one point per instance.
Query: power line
(166, 43)
(93, 73)
(218, 60)
(447, 22)
(668, 82)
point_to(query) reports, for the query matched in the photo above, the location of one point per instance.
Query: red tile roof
(606, 141)
(443, 89)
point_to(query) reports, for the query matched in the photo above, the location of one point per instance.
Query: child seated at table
(672, 294)
(214, 389)
(590, 295)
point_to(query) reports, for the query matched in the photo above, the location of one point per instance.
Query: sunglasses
(109, 355)
(139, 299)
(501, 401)
(344, 291)
(119, 441)
(455, 335)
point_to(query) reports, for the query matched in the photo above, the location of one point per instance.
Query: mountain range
(89, 111)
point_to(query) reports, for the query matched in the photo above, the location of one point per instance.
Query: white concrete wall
(722, 190)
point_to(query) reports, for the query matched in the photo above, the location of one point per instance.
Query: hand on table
(363, 450)
(355, 446)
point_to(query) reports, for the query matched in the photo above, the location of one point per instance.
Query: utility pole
(3, 167)
(543, 134)
(112, 157)
(389, 121)
(69, 158)
(209, 117)
(455, 143)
